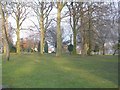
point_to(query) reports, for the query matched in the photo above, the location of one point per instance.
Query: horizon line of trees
(92, 24)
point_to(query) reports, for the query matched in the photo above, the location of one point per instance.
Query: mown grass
(48, 71)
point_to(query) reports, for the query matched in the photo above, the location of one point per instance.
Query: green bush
(39, 46)
(46, 47)
(12, 48)
(96, 49)
(70, 48)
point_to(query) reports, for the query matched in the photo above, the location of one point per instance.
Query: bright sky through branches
(64, 0)
(27, 23)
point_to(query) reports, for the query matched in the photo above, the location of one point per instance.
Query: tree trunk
(83, 34)
(74, 30)
(3, 33)
(6, 40)
(7, 52)
(103, 49)
(84, 46)
(41, 33)
(114, 52)
(18, 38)
(74, 35)
(59, 41)
(89, 31)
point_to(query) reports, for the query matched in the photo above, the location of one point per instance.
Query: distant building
(26, 43)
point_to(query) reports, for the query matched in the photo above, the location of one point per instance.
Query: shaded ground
(48, 71)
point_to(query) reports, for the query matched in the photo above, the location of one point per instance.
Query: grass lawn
(48, 71)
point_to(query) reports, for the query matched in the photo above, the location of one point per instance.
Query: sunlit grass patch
(48, 71)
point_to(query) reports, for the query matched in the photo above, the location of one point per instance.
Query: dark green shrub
(46, 47)
(70, 48)
(12, 48)
(96, 49)
(39, 46)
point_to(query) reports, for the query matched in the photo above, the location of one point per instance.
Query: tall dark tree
(60, 6)
(4, 28)
(42, 10)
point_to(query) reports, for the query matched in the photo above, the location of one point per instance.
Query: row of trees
(94, 22)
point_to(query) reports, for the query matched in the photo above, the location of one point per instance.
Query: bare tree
(74, 9)
(42, 11)
(60, 6)
(105, 25)
(4, 28)
(19, 13)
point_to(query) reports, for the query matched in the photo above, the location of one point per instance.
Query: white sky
(27, 23)
(67, 0)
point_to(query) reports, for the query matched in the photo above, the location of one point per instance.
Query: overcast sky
(27, 23)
